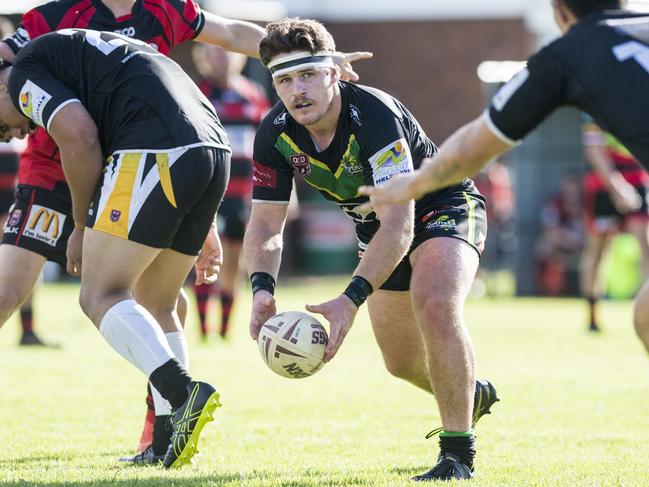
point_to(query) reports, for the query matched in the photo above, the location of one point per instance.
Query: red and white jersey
(161, 23)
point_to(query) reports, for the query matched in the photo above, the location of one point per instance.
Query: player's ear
(4, 87)
(335, 74)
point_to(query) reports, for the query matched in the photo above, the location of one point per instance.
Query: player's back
(605, 59)
(135, 94)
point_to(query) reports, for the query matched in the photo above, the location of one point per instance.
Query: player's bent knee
(400, 368)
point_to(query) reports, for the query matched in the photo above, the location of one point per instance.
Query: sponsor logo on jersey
(280, 119)
(395, 158)
(33, 100)
(14, 218)
(443, 222)
(301, 163)
(355, 114)
(115, 215)
(263, 177)
(358, 216)
(44, 224)
(126, 31)
(351, 165)
(439, 211)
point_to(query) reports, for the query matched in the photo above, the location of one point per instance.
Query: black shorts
(458, 214)
(40, 220)
(162, 199)
(233, 217)
(8, 173)
(602, 216)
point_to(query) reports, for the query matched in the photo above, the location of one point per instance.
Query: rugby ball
(292, 344)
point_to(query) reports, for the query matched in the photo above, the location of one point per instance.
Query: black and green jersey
(376, 138)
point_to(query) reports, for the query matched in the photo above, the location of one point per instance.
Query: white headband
(292, 61)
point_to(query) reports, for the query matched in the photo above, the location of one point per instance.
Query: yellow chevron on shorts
(119, 201)
(162, 160)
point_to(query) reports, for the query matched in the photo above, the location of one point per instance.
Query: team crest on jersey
(302, 164)
(33, 100)
(115, 215)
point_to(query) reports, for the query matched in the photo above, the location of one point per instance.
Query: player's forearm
(232, 35)
(6, 53)
(462, 155)
(262, 248)
(386, 249)
(82, 164)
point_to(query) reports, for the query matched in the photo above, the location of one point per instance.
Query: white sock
(135, 334)
(178, 344)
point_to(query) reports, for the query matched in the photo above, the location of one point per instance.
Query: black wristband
(262, 280)
(358, 290)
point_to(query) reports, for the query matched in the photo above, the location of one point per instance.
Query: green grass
(573, 410)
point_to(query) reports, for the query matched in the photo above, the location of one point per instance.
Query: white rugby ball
(292, 344)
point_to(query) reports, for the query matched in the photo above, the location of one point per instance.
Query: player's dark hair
(294, 34)
(584, 7)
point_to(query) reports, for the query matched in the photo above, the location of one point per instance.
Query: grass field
(573, 411)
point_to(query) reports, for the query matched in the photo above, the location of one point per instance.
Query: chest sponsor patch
(393, 159)
(44, 224)
(33, 100)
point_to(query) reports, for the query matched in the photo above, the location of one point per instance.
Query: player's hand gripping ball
(293, 344)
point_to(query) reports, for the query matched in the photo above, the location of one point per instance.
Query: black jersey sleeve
(272, 175)
(530, 96)
(385, 140)
(37, 95)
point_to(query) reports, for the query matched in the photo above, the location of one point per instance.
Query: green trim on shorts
(471, 202)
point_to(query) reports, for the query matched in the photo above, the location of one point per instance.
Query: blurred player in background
(615, 191)
(41, 182)
(337, 136)
(240, 104)
(599, 65)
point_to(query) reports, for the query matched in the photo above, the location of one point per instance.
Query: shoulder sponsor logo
(33, 100)
(263, 176)
(44, 224)
(301, 163)
(281, 118)
(395, 158)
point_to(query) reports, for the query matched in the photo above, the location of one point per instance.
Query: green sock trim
(456, 434)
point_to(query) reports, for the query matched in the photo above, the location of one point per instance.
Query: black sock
(462, 446)
(171, 379)
(161, 435)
